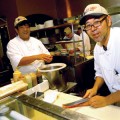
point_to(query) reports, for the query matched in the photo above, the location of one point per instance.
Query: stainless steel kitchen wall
(115, 14)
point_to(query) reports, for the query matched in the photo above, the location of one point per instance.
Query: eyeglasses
(95, 24)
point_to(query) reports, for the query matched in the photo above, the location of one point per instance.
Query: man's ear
(109, 20)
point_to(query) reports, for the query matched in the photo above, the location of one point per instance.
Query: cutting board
(110, 112)
(12, 88)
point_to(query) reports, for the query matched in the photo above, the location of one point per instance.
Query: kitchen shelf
(58, 37)
(60, 42)
(54, 27)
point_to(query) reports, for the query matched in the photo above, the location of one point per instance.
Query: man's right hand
(47, 58)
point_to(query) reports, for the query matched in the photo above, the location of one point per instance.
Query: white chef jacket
(107, 63)
(17, 49)
(79, 45)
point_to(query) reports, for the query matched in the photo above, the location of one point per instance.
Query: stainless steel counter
(36, 109)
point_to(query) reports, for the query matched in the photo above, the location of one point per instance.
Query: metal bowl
(52, 72)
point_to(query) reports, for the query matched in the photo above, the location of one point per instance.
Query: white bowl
(40, 26)
(45, 40)
(33, 28)
(48, 23)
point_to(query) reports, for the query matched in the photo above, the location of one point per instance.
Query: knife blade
(75, 103)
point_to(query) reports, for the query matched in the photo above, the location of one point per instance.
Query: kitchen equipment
(53, 73)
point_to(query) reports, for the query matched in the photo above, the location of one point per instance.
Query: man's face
(24, 31)
(99, 33)
(79, 31)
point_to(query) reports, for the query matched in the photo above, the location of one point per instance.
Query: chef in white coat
(86, 38)
(26, 53)
(97, 23)
(78, 45)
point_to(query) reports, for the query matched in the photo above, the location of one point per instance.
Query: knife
(75, 103)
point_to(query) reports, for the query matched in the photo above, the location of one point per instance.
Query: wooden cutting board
(12, 88)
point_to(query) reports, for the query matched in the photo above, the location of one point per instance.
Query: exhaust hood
(115, 14)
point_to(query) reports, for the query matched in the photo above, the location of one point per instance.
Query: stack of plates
(44, 40)
(40, 26)
(48, 23)
(33, 28)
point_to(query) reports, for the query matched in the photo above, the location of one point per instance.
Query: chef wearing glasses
(97, 23)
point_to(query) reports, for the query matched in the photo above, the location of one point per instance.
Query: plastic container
(34, 79)
(16, 75)
(39, 78)
(28, 80)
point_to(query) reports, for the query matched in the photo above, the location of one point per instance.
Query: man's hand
(98, 101)
(47, 58)
(90, 92)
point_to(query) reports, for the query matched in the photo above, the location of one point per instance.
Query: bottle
(34, 79)
(28, 80)
(38, 73)
(39, 77)
(16, 75)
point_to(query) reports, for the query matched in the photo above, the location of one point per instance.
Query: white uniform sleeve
(13, 54)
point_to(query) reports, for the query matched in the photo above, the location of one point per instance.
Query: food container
(52, 72)
(34, 79)
(28, 80)
(16, 75)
